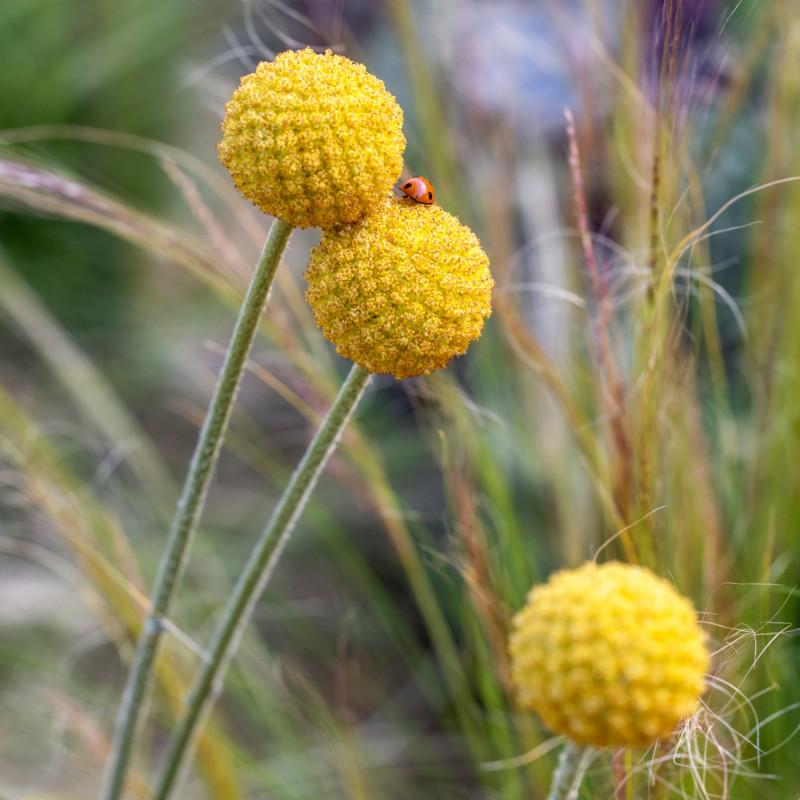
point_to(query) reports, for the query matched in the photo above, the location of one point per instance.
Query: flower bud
(314, 140)
(401, 291)
(608, 655)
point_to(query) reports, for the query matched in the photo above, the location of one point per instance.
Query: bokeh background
(376, 667)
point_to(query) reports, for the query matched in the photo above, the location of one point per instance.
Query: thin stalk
(253, 579)
(572, 764)
(189, 510)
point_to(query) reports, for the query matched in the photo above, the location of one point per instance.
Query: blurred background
(658, 393)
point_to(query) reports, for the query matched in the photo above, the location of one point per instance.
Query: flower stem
(572, 764)
(190, 506)
(253, 579)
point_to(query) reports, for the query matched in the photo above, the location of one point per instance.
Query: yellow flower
(402, 291)
(608, 655)
(314, 140)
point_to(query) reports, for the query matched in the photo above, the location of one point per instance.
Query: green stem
(572, 764)
(189, 509)
(253, 579)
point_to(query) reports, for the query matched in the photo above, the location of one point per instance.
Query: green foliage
(651, 415)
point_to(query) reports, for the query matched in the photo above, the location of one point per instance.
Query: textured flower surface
(314, 140)
(608, 655)
(403, 290)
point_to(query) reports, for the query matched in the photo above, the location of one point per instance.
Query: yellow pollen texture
(403, 290)
(608, 655)
(312, 139)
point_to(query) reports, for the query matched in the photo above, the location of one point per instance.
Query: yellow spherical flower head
(314, 140)
(401, 291)
(608, 655)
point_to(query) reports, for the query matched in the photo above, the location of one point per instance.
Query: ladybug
(419, 189)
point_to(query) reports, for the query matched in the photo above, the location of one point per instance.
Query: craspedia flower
(314, 140)
(608, 655)
(402, 291)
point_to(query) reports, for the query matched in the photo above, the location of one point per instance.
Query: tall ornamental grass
(562, 565)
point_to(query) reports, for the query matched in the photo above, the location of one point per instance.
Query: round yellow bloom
(608, 655)
(314, 140)
(402, 291)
